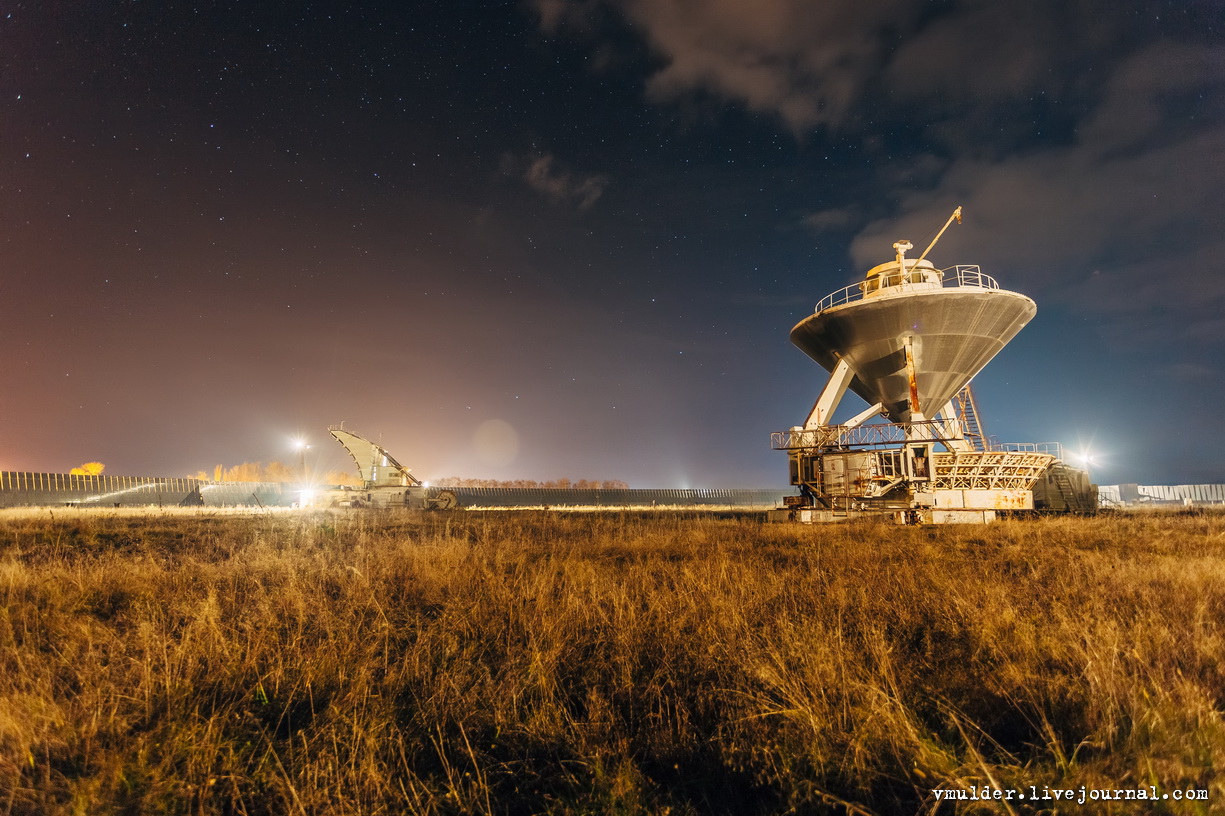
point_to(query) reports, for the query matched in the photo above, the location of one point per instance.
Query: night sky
(568, 238)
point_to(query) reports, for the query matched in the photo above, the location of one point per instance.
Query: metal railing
(864, 436)
(1053, 448)
(881, 434)
(967, 276)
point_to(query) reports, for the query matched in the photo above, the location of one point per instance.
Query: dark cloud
(1192, 372)
(1117, 222)
(838, 64)
(573, 15)
(982, 53)
(801, 61)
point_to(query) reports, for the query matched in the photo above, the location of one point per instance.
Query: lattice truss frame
(989, 470)
(848, 437)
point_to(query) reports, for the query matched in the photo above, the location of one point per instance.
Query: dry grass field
(530, 662)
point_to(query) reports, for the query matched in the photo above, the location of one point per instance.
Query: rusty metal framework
(846, 437)
(989, 470)
(887, 449)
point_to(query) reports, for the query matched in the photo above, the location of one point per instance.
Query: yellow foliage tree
(88, 469)
(281, 472)
(254, 472)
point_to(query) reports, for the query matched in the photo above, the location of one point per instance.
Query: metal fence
(62, 489)
(24, 489)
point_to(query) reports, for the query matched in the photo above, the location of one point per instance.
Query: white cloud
(563, 187)
(832, 219)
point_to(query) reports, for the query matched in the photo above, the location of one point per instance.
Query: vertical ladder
(971, 426)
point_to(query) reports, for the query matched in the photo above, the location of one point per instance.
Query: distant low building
(1136, 495)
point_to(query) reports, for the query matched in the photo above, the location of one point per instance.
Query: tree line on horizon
(562, 484)
(272, 472)
(288, 474)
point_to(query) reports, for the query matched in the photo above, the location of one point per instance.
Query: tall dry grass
(547, 663)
